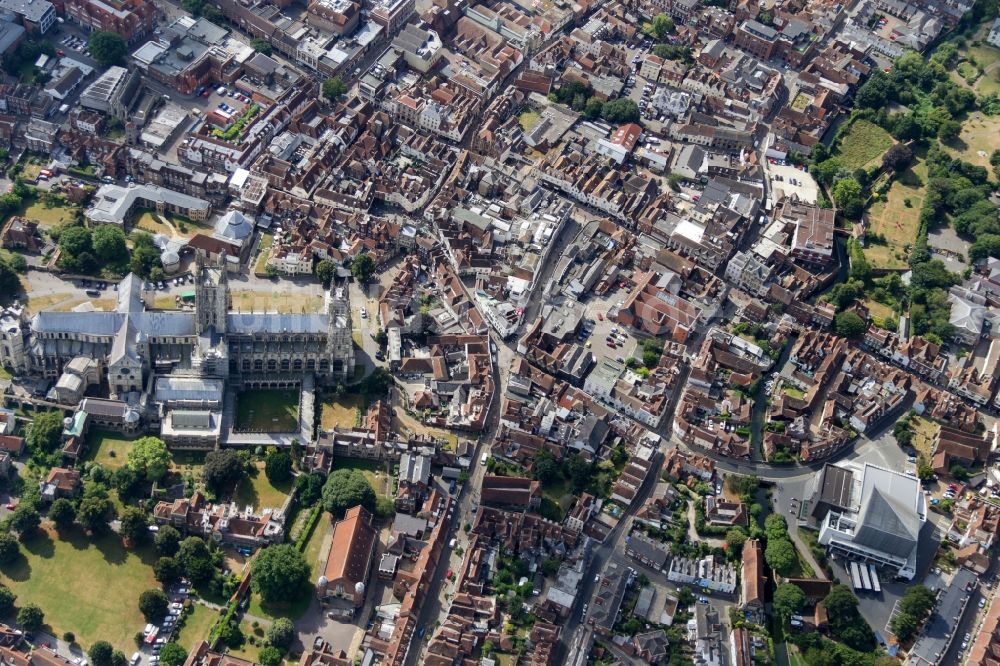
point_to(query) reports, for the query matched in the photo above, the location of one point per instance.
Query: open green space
(260, 493)
(528, 120)
(925, 432)
(267, 411)
(340, 412)
(863, 143)
(880, 313)
(196, 626)
(48, 217)
(84, 584)
(979, 138)
(248, 651)
(107, 448)
(371, 469)
(314, 547)
(174, 227)
(292, 610)
(793, 391)
(264, 253)
(895, 219)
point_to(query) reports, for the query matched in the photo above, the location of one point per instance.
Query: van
(453, 543)
(221, 90)
(484, 458)
(135, 658)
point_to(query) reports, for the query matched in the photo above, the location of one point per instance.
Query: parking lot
(624, 344)
(787, 180)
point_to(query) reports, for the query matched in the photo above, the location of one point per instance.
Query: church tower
(211, 295)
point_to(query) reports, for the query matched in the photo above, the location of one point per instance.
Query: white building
(994, 36)
(882, 525)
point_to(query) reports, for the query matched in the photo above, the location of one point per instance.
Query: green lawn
(196, 626)
(864, 142)
(268, 411)
(260, 492)
(880, 312)
(292, 611)
(373, 471)
(107, 448)
(793, 391)
(313, 551)
(528, 120)
(48, 218)
(87, 585)
(248, 651)
(340, 412)
(896, 222)
(264, 253)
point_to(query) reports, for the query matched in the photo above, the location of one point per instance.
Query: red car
(449, 573)
(60, 53)
(206, 93)
(11, 506)
(600, 316)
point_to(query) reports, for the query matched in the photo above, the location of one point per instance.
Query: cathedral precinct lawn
(340, 412)
(268, 411)
(107, 448)
(196, 626)
(260, 492)
(864, 143)
(84, 584)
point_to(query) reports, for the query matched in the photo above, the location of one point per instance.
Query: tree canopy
(149, 457)
(100, 653)
(363, 267)
(30, 617)
(849, 324)
(333, 88)
(153, 605)
(134, 525)
(196, 559)
(279, 573)
(172, 654)
(223, 468)
(45, 433)
(347, 488)
(62, 512)
(107, 48)
(278, 466)
(788, 600)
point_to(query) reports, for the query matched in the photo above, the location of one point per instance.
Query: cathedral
(134, 345)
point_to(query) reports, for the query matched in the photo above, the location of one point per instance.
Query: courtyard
(65, 573)
(344, 412)
(267, 411)
(107, 448)
(260, 493)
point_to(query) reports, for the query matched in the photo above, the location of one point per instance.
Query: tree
(788, 600)
(9, 282)
(546, 468)
(127, 482)
(620, 111)
(95, 513)
(347, 488)
(62, 512)
(172, 654)
(281, 633)
(309, 487)
(30, 617)
(25, 519)
(134, 525)
(898, 157)
(848, 324)
(847, 195)
(9, 549)
(7, 599)
(196, 559)
(917, 601)
(100, 653)
(118, 658)
(904, 625)
(840, 602)
(107, 48)
(382, 337)
(262, 46)
(279, 573)
(109, 244)
(661, 26)
(780, 555)
(194, 7)
(167, 540)
(223, 468)
(363, 267)
(269, 656)
(167, 570)
(278, 467)
(149, 457)
(325, 270)
(735, 538)
(45, 433)
(153, 604)
(333, 88)
(949, 130)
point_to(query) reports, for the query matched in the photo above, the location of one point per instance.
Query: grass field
(792, 391)
(528, 119)
(924, 432)
(292, 611)
(176, 228)
(880, 313)
(260, 492)
(46, 217)
(267, 411)
(276, 301)
(314, 547)
(373, 471)
(87, 585)
(340, 412)
(197, 626)
(864, 143)
(979, 138)
(107, 448)
(264, 253)
(892, 219)
(247, 651)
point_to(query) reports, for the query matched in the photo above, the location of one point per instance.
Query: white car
(364, 313)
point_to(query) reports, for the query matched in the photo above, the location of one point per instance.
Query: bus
(855, 576)
(864, 577)
(874, 576)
